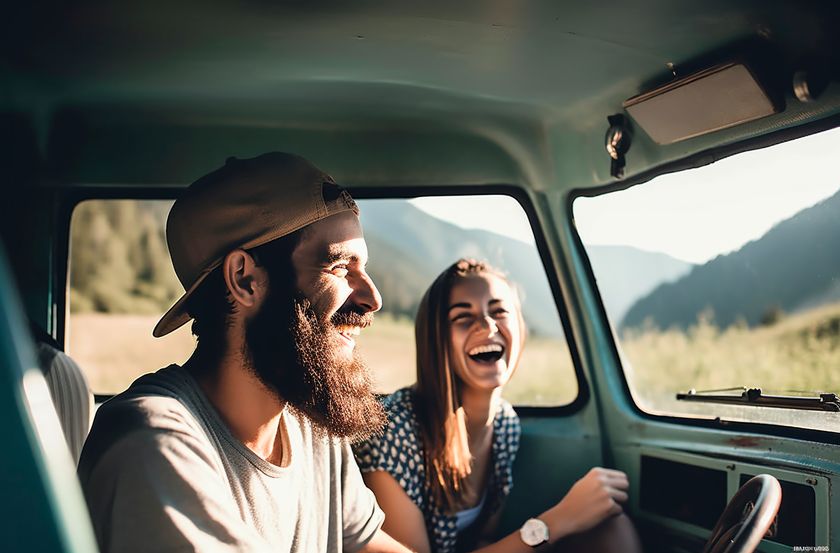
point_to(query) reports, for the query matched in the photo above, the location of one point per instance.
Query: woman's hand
(594, 498)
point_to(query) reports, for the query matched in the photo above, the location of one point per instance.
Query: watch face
(534, 532)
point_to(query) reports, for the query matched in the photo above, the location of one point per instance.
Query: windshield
(726, 276)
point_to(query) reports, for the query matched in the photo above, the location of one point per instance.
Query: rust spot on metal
(745, 441)
(637, 427)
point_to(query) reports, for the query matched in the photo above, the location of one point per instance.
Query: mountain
(409, 248)
(124, 267)
(794, 266)
(624, 274)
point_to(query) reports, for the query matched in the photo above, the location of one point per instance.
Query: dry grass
(545, 375)
(800, 352)
(115, 349)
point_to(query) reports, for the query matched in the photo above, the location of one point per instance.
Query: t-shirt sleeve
(155, 490)
(361, 514)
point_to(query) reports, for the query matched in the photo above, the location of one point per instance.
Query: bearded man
(245, 446)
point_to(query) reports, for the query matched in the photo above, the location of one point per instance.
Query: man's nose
(366, 295)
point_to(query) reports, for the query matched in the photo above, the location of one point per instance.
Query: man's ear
(245, 280)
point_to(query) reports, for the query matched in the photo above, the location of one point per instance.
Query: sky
(497, 213)
(692, 215)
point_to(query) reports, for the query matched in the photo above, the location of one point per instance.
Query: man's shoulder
(157, 403)
(162, 399)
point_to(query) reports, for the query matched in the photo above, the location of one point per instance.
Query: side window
(724, 279)
(410, 242)
(121, 281)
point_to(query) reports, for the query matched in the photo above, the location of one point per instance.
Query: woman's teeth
(485, 349)
(488, 353)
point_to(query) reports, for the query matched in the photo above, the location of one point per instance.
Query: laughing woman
(443, 467)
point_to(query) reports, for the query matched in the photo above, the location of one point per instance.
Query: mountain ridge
(756, 279)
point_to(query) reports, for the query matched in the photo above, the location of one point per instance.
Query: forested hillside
(409, 248)
(794, 266)
(119, 262)
(624, 274)
(122, 265)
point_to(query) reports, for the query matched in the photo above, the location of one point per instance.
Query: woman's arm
(593, 499)
(383, 543)
(403, 519)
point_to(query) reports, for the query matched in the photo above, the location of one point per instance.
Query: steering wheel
(747, 517)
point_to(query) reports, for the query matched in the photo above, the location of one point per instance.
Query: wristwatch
(534, 532)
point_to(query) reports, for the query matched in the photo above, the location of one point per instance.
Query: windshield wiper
(754, 397)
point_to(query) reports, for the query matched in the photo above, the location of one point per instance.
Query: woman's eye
(461, 319)
(500, 313)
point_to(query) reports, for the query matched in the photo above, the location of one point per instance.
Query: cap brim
(177, 315)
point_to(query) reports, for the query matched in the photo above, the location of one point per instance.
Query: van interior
(659, 178)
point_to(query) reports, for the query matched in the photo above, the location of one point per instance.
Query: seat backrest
(43, 508)
(69, 390)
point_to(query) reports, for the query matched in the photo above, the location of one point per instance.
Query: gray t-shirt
(162, 472)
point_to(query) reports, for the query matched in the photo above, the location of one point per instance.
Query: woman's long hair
(440, 414)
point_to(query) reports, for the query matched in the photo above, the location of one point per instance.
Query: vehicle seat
(69, 391)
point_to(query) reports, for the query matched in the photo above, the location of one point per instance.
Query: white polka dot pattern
(399, 451)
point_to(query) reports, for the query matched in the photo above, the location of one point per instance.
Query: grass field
(799, 352)
(115, 349)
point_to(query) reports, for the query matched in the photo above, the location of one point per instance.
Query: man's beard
(299, 357)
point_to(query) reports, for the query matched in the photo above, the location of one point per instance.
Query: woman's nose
(489, 323)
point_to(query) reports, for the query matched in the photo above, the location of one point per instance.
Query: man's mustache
(352, 315)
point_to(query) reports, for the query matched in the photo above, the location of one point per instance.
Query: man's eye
(339, 270)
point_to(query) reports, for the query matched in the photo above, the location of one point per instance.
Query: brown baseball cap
(244, 204)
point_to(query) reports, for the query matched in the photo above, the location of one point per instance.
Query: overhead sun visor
(707, 101)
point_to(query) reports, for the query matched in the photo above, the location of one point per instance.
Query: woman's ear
(246, 281)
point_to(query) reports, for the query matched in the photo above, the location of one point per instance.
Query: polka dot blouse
(399, 451)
